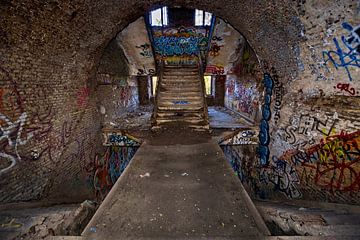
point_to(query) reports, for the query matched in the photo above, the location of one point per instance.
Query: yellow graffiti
(11, 224)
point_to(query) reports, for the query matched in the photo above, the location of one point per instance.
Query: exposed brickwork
(49, 53)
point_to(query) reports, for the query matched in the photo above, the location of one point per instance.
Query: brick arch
(85, 27)
(50, 51)
(272, 29)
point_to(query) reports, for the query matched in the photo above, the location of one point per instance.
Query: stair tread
(180, 98)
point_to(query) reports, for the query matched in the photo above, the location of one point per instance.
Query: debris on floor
(44, 222)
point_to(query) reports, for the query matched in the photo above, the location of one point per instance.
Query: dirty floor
(178, 187)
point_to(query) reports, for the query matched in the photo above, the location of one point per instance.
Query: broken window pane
(208, 19)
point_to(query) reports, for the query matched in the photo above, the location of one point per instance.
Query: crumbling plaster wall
(310, 145)
(119, 92)
(134, 40)
(50, 102)
(231, 55)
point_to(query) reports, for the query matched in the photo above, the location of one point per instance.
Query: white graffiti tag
(8, 132)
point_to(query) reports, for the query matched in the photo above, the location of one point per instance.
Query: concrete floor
(177, 188)
(220, 117)
(140, 119)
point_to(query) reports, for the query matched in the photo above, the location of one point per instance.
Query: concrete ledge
(66, 238)
(230, 238)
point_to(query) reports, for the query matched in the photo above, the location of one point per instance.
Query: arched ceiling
(84, 27)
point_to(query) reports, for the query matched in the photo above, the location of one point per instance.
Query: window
(208, 85)
(154, 81)
(202, 18)
(159, 17)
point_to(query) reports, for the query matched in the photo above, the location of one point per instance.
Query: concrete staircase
(180, 99)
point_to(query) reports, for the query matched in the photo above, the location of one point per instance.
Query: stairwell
(180, 99)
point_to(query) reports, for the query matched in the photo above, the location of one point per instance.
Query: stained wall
(309, 130)
(50, 103)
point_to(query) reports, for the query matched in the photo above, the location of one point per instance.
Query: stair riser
(179, 114)
(180, 99)
(180, 103)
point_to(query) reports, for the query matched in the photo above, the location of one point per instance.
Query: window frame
(203, 22)
(164, 17)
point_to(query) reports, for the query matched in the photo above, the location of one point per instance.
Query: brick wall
(49, 99)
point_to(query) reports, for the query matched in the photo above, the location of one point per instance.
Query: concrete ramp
(177, 191)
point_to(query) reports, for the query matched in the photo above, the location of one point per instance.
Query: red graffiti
(215, 50)
(345, 87)
(333, 164)
(125, 95)
(82, 97)
(213, 69)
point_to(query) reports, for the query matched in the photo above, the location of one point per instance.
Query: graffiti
(306, 125)
(283, 176)
(182, 60)
(119, 139)
(125, 95)
(240, 137)
(214, 69)
(244, 64)
(333, 164)
(345, 87)
(326, 169)
(82, 97)
(145, 50)
(180, 41)
(235, 160)
(217, 38)
(110, 167)
(349, 56)
(241, 97)
(278, 175)
(144, 71)
(180, 102)
(13, 133)
(279, 92)
(170, 46)
(264, 136)
(216, 44)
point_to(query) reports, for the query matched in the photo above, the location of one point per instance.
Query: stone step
(181, 98)
(181, 66)
(182, 113)
(180, 89)
(180, 103)
(182, 83)
(180, 118)
(183, 75)
(193, 107)
(180, 73)
(179, 95)
(183, 69)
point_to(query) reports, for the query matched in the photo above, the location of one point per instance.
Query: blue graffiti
(171, 45)
(118, 161)
(180, 102)
(234, 160)
(348, 57)
(264, 136)
(122, 140)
